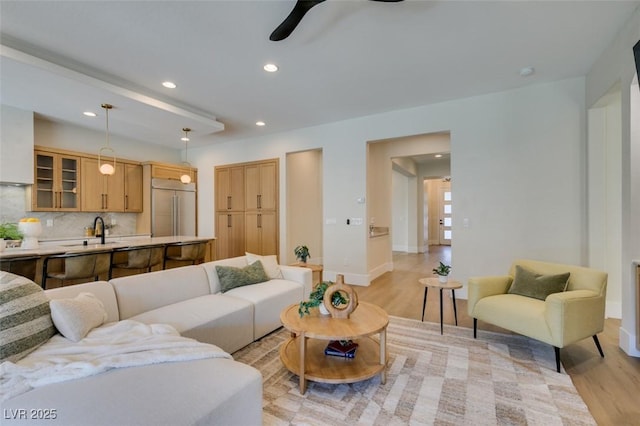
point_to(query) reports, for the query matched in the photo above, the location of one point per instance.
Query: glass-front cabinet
(55, 187)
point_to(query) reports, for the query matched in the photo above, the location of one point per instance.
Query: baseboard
(349, 278)
(628, 343)
(402, 248)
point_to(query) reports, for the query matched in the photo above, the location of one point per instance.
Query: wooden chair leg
(557, 350)
(595, 339)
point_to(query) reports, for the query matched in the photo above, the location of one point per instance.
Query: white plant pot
(443, 278)
(323, 309)
(3, 244)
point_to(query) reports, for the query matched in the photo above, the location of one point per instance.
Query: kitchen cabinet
(132, 188)
(170, 171)
(247, 191)
(261, 233)
(230, 238)
(119, 192)
(56, 182)
(102, 193)
(230, 188)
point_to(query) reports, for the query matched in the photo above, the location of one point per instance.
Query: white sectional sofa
(212, 391)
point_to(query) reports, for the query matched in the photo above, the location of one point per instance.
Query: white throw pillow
(269, 263)
(76, 317)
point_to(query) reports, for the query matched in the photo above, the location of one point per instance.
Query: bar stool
(25, 266)
(140, 257)
(190, 251)
(78, 266)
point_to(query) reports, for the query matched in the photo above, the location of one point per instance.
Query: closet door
(230, 235)
(261, 233)
(261, 186)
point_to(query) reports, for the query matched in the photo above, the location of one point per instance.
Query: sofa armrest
(300, 275)
(574, 315)
(479, 287)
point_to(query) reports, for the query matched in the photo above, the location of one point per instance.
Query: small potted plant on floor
(316, 298)
(302, 253)
(8, 231)
(442, 271)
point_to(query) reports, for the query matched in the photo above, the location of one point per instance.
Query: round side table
(449, 285)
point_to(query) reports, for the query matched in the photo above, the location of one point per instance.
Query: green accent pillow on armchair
(231, 277)
(529, 284)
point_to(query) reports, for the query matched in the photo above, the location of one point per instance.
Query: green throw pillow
(231, 277)
(530, 284)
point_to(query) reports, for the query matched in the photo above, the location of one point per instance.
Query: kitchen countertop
(47, 248)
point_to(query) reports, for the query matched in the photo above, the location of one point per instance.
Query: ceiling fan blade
(291, 22)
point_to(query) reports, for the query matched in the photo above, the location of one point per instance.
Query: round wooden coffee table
(435, 283)
(303, 353)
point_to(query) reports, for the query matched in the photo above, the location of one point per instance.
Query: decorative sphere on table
(31, 228)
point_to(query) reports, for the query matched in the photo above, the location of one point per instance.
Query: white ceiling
(346, 59)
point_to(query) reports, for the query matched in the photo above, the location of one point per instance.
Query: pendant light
(186, 178)
(107, 168)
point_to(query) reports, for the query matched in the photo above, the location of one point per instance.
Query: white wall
(514, 154)
(75, 138)
(616, 67)
(399, 211)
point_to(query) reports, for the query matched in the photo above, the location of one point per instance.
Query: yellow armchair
(559, 320)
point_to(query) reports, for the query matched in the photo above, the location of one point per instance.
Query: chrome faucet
(95, 222)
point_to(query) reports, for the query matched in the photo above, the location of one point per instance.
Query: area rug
(497, 379)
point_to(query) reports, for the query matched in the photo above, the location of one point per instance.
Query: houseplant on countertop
(442, 271)
(8, 231)
(302, 253)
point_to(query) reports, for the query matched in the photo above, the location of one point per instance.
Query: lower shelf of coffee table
(332, 369)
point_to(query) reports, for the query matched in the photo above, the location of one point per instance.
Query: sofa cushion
(224, 321)
(269, 299)
(25, 317)
(231, 277)
(201, 392)
(74, 318)
(210, 269)
(101, 289)
(141, 293)
(530, 284)
(269, 263)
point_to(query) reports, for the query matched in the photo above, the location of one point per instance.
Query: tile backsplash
(65, 225)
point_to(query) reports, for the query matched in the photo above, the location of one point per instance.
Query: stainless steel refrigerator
(173, 208)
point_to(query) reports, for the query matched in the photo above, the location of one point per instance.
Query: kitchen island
(87, 245)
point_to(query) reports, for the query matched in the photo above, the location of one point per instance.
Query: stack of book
(343, 348)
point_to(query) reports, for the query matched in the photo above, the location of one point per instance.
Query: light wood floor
(610, 386)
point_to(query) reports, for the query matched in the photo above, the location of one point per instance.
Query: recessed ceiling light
(169, 84)
(89, 114)
(260, 123)
(527, 71)
(270, 68)
(438, 155)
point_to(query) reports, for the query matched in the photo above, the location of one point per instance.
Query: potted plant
(9, 231)
(302, 253)
(316, 298)
(442, 271)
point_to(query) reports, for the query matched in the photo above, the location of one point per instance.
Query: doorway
(438, 210)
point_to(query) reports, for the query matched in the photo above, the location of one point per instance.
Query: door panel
(445, 211)
(162, 213)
